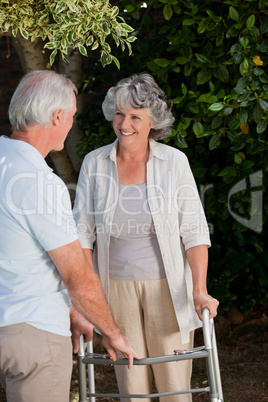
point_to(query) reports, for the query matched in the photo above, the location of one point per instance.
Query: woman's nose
(125, 122)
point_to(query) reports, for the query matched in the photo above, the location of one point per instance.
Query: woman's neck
(131, 165)
(138, 154)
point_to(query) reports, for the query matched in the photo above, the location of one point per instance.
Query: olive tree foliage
(211, 59)
(42, 29)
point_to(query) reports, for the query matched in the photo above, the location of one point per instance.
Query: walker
(208, 351)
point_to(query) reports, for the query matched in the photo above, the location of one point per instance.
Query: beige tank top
(134, 252)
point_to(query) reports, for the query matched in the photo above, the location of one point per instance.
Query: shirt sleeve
(193, 225)
(46, 212)
(84, 207)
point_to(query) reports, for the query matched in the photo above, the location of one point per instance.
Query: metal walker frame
(208, 351)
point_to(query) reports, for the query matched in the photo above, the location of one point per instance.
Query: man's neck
(34, 136)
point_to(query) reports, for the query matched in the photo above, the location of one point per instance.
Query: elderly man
(40, 255)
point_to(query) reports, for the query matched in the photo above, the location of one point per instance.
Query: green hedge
(210, 58)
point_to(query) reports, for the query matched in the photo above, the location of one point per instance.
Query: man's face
(65, 126)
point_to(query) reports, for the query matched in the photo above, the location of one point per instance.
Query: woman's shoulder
(168, 151)
(99, 153)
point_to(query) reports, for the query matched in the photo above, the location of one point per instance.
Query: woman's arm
(198, 261)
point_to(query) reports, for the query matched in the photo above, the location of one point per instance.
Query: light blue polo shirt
(35, 217)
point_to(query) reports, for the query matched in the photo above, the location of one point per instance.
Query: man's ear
(57, 117)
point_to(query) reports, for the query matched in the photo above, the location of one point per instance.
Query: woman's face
(132, 126)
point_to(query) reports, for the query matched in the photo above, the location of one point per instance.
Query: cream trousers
(144, 312)
(35, 365)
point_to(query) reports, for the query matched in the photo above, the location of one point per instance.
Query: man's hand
(122, 344)
(89, 306)
(203, 299)
(80, 326)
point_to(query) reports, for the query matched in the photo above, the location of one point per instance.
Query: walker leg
(91, 377)
(216, 365)
(82, 372)
(211, 347)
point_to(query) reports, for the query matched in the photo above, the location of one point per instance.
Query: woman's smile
(132, 123)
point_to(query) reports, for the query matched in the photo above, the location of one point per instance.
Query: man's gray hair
(38, 95)
(140, 91)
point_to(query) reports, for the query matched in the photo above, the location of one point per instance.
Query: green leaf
(228, 171)
(82, 50)
(50, 45)
(247, 164)
(188, 21)
(152, 66)
(244, 41)
(262, 126)
(243, 116)
(126, 27)
(162, 62)
(214, 141)
(105, 59)
(115, 11)
(184, 89)
(216, 122)
(131, 39)
(182, 60)
(193, 107)
(167, 12)
(202, 26)
(95, 45)
(207, 98)
(234, 15)
(198, 129)
(52, 57)
(250, 21)
(199, 171)
(228, 110)
(258, 71)
(64, 58)
(222, 73)
(241, 84)
(263, 105)
(24, 33)
(257, 113)
(203, 77)
(263, 47)
(181, 142)
(216, 107)
(116, 61)
(202, 58)
(237, 158)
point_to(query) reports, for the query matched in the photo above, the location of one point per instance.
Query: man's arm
(198, 261)
(88, 298)
(79, 325)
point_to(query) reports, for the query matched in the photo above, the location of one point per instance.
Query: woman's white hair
(140, 91)
(38, 95)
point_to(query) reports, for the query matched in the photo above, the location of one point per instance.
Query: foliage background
(210, 58)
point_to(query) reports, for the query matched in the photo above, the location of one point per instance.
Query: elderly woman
(138, 207)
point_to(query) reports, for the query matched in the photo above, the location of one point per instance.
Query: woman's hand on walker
(202, 300)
